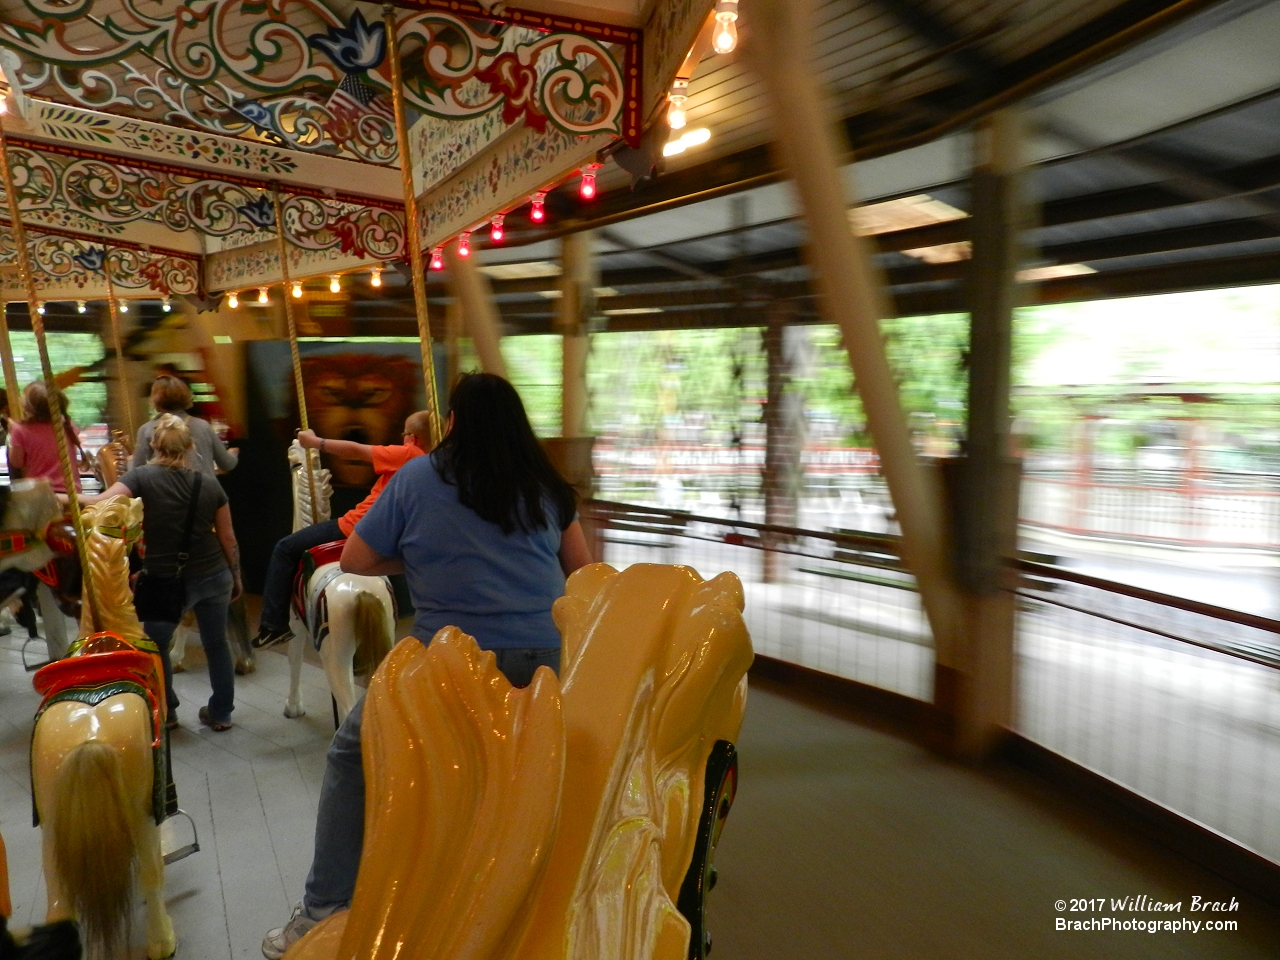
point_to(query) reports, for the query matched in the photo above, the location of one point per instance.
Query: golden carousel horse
(570, 820)
(112, 459)
(98, 757)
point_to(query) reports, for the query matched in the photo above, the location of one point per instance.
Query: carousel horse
(98, 756)
(112, 460)
(570, 820)
(345, 615)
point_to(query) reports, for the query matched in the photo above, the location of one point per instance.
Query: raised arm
(230, 549)
(346, 449)
(359, 557)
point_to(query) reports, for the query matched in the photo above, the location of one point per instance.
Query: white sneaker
(277, 941)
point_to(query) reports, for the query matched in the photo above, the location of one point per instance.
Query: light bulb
(375, 279)
(40, 309)
(124, 307)
(539, 211)
(80, 306)
(233, 301)
(497, 231)
(165, 305)
(297, 289)
(588, 188)
(437, 259)
(726, 35)
(262, 295)
(676, 116)
(464, 244)
(335, 284)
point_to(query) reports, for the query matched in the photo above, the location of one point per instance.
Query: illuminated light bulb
(124, 307)
(262, 295)
(538, 213)
(40, 309)
(496, 230)
(375, 279)
(676, 115)
(690, 138)
(80, 306)
(4, 104)
(165, 305)
(335, 284)
(297, 289)
(464, 244)
(233, 301)
(437, 259)
(726, 33)
(588, 188)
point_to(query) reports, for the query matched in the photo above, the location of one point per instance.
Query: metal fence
(1176, 700)
(836, 602)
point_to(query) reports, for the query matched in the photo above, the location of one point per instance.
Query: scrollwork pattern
(251, 67)
(63, 260)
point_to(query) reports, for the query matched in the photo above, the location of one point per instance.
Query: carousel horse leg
(238, 635)
(337, 653)
(161, 942)
(293, 706)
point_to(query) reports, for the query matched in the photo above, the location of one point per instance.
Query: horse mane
(109, 567)
(303, 515)
(469, 769)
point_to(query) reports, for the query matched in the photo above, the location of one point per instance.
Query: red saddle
(313, 560)
(103, 659)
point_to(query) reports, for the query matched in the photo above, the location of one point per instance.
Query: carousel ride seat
(311, 561)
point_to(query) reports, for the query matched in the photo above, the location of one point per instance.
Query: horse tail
(94, 846)
(373, 639)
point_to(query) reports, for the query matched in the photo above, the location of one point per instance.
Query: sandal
(208, 722)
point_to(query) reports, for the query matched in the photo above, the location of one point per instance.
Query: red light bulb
(588, 188)
(437, 259)
(539, 211)
(497, 231)
(464, 244)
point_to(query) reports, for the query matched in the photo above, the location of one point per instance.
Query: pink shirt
(39, 452)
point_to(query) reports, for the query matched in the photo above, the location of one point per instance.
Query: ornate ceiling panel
(67, 266)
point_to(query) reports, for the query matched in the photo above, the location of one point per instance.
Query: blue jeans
(208, 597)
(340, 820)
(278, 583)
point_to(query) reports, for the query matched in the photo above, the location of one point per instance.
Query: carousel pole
(283, 250)
(11, 389)
(55, 402)
(411, 225)
(121, 372)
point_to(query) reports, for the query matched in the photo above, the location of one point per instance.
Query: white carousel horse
(97, 757)
(346, 614)
(570, 820)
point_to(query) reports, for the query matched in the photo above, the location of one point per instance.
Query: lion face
(360, 397)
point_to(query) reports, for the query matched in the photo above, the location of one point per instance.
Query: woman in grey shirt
(171, 395)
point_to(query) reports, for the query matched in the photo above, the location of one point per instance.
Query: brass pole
(55, 402)
(411, 237)
(121, 370)
(11, 389)
(283, 250)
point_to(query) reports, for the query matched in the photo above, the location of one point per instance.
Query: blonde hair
(171, 441)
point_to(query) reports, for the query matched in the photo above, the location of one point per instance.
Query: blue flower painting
(261, 213)
(92, 258)
(358, 47)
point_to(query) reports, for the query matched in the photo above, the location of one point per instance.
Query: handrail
(1152, 596)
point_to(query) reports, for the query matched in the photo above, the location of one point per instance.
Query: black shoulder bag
(165, 598)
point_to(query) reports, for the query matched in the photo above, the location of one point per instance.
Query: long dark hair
(491, 455)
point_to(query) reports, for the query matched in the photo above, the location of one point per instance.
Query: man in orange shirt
(273, 623)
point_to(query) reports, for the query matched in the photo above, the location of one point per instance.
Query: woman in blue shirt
(484, 530)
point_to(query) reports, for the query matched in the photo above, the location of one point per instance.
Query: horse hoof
(162, 950)
(294, 712)
(245, 665)
(179, 668)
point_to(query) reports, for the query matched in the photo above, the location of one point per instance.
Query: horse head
(465, 858)
(303, 514)
(111, 528)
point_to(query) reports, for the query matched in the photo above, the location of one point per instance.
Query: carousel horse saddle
(308, 596)
(102, 666)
